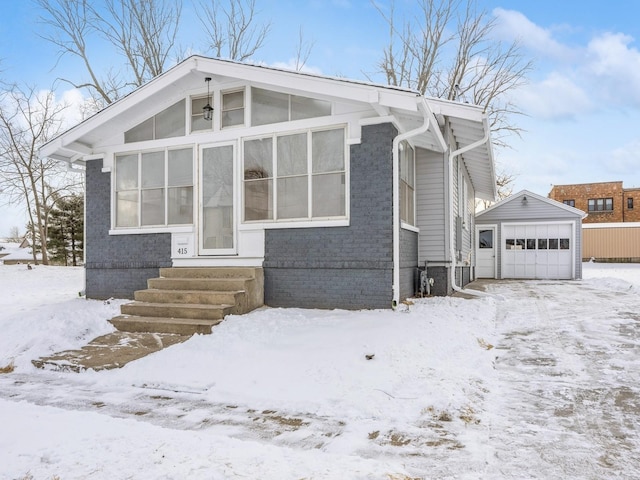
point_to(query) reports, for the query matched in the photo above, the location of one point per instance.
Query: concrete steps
(177, 326)
(186, 301)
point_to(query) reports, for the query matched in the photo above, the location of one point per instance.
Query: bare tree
(29, 118)
(448, 52)
(143, 32)
(14, 235)
(233, 29)
(303, 50)
(481, 70)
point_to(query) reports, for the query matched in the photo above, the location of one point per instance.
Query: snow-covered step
(179, 326)
(192, 300)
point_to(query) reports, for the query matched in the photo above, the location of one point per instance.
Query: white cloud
(557, 96)
(625, 159)
(614, 66)
(515, 25)
(75, 102)
(600, 73)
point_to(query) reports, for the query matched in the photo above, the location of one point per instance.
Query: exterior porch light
(207, 110)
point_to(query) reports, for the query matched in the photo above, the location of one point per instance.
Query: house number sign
(181, 246)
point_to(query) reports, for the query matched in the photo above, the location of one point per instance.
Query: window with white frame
(198, 122)
(232, 110)
(295, 176)
(168, 123)
(407, 184)
(269, 107)
(154, 188)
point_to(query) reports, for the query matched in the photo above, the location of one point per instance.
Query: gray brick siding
(116, 265)
(341, 267)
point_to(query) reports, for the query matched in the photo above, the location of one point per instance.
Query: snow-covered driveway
(541, 380)
(566, 403)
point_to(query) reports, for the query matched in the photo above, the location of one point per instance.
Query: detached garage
(529, 236)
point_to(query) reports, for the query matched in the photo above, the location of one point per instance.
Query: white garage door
(538, 251)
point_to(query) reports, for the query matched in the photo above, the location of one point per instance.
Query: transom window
(266, 107)
(273, 107)
(169, 123)
(295, 176)
(600, 204)
(154, 188)
(232, 108)
(198, 122)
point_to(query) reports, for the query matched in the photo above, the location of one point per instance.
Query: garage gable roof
(526, 197)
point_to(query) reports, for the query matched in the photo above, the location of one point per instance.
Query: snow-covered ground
(539, 380)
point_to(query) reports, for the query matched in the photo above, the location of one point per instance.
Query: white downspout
(429, 120)
(452, 155)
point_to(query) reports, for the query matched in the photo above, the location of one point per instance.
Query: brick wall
(341, 267)
(581, 193)
(116, 265)
(632, 214)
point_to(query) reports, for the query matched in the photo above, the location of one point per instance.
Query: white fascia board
(306, 83)
(463, 111)
(399, 100)
(49, 149)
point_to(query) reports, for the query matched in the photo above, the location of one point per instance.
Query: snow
(537, 380)
(12, 251)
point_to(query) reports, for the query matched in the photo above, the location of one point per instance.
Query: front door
(217, 199)
(486, 259)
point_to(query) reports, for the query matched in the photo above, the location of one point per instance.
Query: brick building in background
(605, 202)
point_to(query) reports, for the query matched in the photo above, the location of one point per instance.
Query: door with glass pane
(217, 199)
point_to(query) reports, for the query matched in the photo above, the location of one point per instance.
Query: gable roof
(405, 107)
(571, 211)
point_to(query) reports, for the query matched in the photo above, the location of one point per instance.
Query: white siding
(430, 205)
(466, 253)
(533, 212)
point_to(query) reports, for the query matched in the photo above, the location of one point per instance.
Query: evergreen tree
(66, 230)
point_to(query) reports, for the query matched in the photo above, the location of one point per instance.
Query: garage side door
(538, 251)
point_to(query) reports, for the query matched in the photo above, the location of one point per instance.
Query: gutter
(429, 121)
(452, 252)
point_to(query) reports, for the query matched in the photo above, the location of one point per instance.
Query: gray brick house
(340, 191)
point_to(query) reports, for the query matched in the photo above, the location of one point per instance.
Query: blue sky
(582, 102)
